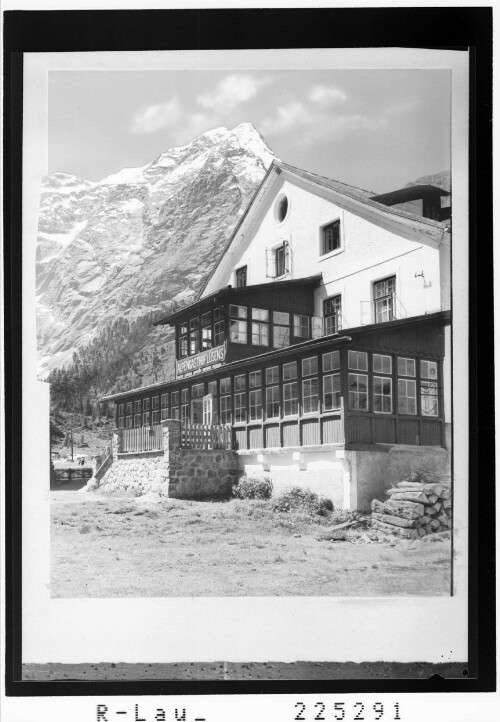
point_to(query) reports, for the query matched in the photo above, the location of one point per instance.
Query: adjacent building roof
(409, 193)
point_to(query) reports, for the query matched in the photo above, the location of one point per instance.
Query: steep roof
(357, 198)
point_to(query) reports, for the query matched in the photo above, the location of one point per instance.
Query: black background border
(462, 28)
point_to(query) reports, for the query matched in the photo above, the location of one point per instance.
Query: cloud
(324, 95)
(317, 121)
(155, 117)
(232, 91)
(402, 108)
(193, 124)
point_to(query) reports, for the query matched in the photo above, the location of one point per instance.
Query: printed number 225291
(340, 711)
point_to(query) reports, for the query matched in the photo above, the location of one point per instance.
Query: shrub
(298, 499)
(250, 487)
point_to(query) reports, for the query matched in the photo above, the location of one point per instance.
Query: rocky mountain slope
(112, 255)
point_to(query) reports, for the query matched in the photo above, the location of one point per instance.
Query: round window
(281, 208)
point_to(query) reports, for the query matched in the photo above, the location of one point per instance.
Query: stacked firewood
(417, 506)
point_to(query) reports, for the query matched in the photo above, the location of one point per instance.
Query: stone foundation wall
(174, 472)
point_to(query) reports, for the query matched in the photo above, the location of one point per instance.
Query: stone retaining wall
(174, 472)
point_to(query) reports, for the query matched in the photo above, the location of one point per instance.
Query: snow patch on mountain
(121, 249)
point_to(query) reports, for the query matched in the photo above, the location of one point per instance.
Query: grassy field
(106, 546)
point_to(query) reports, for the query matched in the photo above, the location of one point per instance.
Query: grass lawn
(108, 546)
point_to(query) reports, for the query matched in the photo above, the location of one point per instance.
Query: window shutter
(270, 263)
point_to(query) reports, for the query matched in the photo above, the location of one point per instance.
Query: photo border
(458, 29)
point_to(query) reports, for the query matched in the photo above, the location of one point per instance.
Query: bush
(298, 499)
(253, 488)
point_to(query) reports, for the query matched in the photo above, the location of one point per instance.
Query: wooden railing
(205, 436)
(147, 438)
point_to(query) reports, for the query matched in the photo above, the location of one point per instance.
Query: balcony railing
(381, 310)
(145, 438)
(326, 326)
(206, 436)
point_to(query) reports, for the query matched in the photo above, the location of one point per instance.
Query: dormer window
(330, 240)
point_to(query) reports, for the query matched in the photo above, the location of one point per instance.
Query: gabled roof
(357, 200)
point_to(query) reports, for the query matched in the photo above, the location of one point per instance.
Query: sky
(375, 129)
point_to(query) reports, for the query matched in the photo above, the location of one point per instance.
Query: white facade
(368, 253)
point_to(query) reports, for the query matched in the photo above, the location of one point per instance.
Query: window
(184, 396)
(358, 360)
(290, 371)
(194, 324)
(225, 410)
(145, 419)
(183, 328)
(429, 398)
(164, 414)
(310, 401)
(129, 422)
(145, 404)
(155, 402)
(332, 314)
(121, 423)
(194, 341)
(382, 364)
(241, 277)
(280, 261)
(219, 333)
(184, 412)
(254, 379)
(301, 326)
(310, 366)
(281, 208)
(212, 388)
(175, 398)
(331, 392)
(129, 407)
(183, 347)
(164, 399)
(273, 402)
(121, 410)
(238, 326)
(382, 395)
(240, 382)
(383, 299)
(137, 420)
(255, 398)
(331, 361)
(330, 237)
(240, 407)
(260, 334)
(206, 330)
(219, 330)
(281, 329)
(260, 327)
(156, 417)
(428, 369)
(358, 392)
(225, 386)
(407, 396)
(206, 337)
(291, 405)
(429, 405)
(406, 367)
(174, 412)
(197, 390)
(272, 375)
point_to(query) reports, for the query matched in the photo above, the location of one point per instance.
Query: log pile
(416, 507)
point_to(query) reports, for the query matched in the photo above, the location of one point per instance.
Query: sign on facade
(201, 361)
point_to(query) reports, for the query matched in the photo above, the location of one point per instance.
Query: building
(322, 337)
